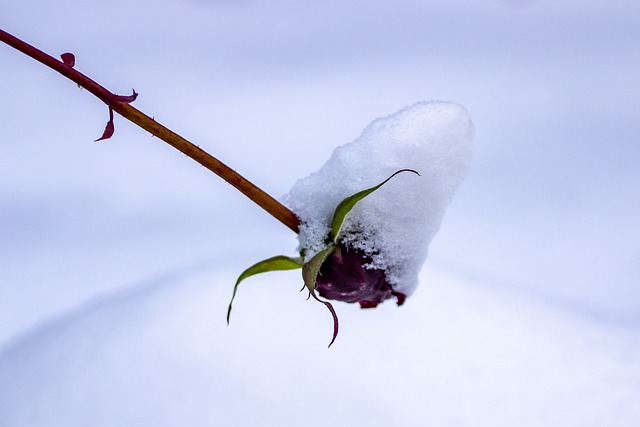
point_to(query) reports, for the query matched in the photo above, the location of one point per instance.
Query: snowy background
(117, 259)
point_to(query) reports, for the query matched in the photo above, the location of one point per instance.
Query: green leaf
(276, 263)
(347, 205)
(311, 268)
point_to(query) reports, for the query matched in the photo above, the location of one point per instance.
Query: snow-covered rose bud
(346, 276)
(395, 225)
(374, 251)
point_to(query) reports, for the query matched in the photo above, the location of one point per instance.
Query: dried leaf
(333, 313)
(310, 272)
(109, 129)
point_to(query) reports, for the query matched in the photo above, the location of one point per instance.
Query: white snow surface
(528, 312)
(395, 224)
(160, 354)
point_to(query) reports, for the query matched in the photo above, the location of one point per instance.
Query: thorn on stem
(126, 99)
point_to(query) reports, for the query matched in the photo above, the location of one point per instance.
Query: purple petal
(344, 277)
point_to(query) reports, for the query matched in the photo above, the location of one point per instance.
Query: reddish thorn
(126, 99)
(68, 59)
(109, 129)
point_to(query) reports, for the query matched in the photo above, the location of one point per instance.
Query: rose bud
(344, 276)
(355, 248)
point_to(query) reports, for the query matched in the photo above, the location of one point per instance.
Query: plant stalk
(120, 104)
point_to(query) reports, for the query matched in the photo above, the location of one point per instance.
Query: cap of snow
(395, 224)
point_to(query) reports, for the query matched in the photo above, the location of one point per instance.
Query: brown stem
(120, 104)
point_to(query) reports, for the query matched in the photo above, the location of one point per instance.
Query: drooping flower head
(360, 247)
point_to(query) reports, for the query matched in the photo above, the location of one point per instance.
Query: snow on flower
(365, 226)
(393, 227)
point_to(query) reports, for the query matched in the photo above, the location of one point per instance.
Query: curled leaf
(276, 263)
(68, 59)
(310, 271)
(347, 205)
(109, 128)
(333, 313)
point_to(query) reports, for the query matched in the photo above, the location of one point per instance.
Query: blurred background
(117, 258)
